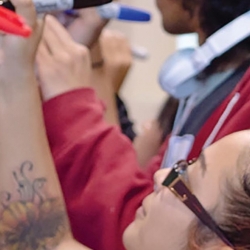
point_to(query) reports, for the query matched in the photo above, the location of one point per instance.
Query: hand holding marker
(124, 13)
(108, 11)
(12, 23)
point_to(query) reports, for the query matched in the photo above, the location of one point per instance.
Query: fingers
(56, 42)
(26, 9)
(114, 35)
(87, 27)
(62, 64)
(56, 37)
(116, 42)
(43, 54)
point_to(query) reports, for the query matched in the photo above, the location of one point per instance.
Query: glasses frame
(177, 186)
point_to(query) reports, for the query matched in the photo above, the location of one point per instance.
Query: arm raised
(32, 210)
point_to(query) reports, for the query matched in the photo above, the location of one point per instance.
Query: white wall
(141, 91)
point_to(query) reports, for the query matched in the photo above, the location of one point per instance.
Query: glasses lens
(181, 167)
(183, 192)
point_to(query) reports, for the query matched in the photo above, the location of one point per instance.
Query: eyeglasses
(176, 183)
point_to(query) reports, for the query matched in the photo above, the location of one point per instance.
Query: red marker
(12, 23)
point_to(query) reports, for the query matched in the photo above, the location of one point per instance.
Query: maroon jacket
(97, 167)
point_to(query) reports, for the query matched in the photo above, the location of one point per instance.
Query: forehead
(243, 161)
(231, 153)
(225, 160)
(232, 147)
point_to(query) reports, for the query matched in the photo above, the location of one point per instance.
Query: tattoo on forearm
(35, 221)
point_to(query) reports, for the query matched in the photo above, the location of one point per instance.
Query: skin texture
(32, 210)
(62, 64)
(115, 50)
(147, 142)
(84, 27)
(162, 218)
(175, 19)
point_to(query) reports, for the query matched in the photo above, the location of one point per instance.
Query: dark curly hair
(213, 15)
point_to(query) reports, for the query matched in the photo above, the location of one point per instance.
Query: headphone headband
(179, 69)
(223, 40)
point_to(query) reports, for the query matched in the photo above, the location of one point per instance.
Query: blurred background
(140, 91)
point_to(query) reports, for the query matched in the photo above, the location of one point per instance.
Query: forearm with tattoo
(35, 220)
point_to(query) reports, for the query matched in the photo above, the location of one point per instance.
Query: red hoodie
(97, 166)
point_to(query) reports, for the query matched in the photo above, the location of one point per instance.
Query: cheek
(165, 221)
(172, 214)
(159, 5)
(206, 187)
(210, 195)
(149, 234)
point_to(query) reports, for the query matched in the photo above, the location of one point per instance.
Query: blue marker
(120, 12)
(106, 11)
(123, 12)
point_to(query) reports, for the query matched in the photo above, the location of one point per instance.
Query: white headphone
(177, 75)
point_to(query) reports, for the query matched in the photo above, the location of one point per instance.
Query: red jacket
(97, 167)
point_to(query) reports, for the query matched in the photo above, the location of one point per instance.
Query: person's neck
(201, 37)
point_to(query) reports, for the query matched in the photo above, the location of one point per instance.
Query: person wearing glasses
(201, 204)
(97, 166)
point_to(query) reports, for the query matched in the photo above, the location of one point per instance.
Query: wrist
(15, 87)
(20, 76)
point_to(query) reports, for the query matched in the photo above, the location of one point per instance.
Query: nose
(159, 177)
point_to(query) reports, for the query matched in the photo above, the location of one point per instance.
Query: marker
(118, 11)
(139, 52)
(123, 12)
(12, 23)
(106, 10)
(43, 6)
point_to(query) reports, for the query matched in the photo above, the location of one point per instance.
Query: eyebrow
(202, 160)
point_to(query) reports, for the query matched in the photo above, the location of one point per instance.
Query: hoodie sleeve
(97, 167)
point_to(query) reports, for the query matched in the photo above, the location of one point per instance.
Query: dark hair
(234, 217)
(166, 116)
(213, 15)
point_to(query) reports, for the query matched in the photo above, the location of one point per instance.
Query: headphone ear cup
(176, 66)
(178, 73)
